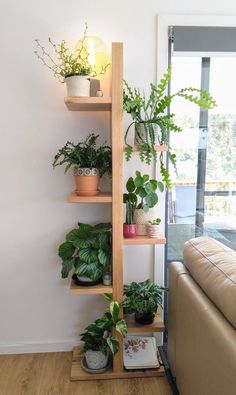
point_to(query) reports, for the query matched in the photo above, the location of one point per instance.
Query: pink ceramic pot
(129, 230)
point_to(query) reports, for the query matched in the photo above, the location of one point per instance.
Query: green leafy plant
(156, 221)
(142, 298)
(86, 251)
(151, 111)
(141, 187)
(98, 335)
(85, 154)
(65, 63)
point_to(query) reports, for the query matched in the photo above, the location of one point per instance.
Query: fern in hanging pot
(153, 123)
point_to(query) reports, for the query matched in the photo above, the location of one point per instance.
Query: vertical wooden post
(117, 184)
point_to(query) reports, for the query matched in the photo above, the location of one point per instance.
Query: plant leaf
(113, 343)
(88, 255)
(67, 266)
(121, 327)
(114, 310)
(104, 257)
(130, 186)
(66, 250)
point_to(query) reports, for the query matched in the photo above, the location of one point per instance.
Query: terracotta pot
(129, 230)
(87, 181)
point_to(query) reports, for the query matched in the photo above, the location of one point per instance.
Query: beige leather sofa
(202, 319)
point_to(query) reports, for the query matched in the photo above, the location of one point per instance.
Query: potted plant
(142, 299)
(86, 252)
(71, 67)
(98, 339)
(130, 200)
(153, 228)
(89, 161)
(142, 192)
(152, 123)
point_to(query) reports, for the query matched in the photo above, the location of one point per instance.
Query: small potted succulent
(86, 252)
(89, 161)
(153, 123)
(98, 339)
(71, 67)
(143, 299)
(153, 228)
(142, 191)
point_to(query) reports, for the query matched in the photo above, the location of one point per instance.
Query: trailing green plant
(86, 251)
(85, 154)
(98, 335)
(142, 189)
(142, 298)
(156, 221)
(65, 63)
(151, 110)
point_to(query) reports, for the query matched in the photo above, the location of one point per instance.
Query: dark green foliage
(86, 251)
(152, 110)
(85, 154)
(142, 298)
(98, 335)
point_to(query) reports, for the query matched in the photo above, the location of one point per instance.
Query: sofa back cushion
(213, 266)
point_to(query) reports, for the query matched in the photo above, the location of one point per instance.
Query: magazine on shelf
(140, 352)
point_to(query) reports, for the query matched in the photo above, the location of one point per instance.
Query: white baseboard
(30, 347)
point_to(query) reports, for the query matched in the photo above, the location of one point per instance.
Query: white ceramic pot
(141, 219)
(78, 85)
(96, 359)
(142, 133)
(153, 230)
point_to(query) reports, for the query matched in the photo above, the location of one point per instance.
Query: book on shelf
(140, 352)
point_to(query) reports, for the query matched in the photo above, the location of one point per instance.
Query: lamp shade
(95, 50)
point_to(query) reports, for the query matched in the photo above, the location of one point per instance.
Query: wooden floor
(48, 374)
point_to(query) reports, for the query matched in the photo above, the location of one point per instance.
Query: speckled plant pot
(96, 359)
(87, 181)
(141, 135)
(141, 219)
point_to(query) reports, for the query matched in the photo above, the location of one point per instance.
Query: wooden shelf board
(77, 373)
(101, 198)
(133, 326)
(158, 148)
(75, 103)
(93, 290)
(144, 240)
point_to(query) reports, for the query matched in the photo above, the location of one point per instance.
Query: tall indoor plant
(98, 338)
(141, 190)
(87, 253)
(153, 122)
(71, 67)
(89, 161)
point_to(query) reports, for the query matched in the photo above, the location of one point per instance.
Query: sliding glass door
(203, 198)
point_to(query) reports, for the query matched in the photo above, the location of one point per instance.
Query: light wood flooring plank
(49, 374)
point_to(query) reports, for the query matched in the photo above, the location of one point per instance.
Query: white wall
(37, 312)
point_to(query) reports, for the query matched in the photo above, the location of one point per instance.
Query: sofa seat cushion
(213, 266)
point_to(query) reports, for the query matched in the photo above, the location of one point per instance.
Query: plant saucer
(85, 367)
